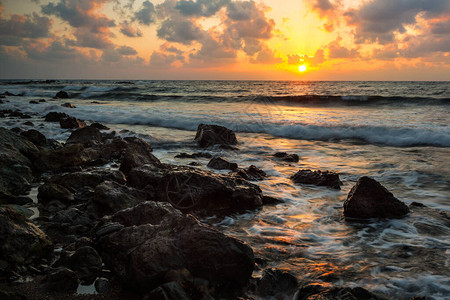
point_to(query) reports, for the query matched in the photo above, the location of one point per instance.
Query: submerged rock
(287, 157)
(21, 241)
(219, 163)
(209, 135)
(319, 178)
(369, 199)
(144, 254)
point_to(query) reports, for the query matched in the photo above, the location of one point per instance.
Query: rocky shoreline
(114, 217)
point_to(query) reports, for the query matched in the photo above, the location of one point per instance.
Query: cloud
(266, 56)
(377, 21)
(213, 50)
(336, 50)
(203, 8)
(180, 31)
(297, 59)
(97, 40)
(18, 27)
(147, 14)
(159, 59)
(323, 7)
(126, 50)
(80, 13)
(56, 50)
(129, 31)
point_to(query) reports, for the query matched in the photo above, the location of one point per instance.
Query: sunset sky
(226, 39)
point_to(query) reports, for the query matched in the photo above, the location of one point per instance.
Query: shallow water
(405, 145)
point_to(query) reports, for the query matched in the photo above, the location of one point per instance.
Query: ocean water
(395, 132)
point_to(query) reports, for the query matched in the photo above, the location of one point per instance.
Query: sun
(302, 68)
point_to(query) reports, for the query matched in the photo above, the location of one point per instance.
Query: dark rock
(102, 285)
(61, 280)
(142, 255)
(194, 164)
(34, 102)
(50, 191)
(209, 135)
(72, 155)
(193, 190)
(113, 148)
(78, 180)
(73, 217)
(168, 291)
(219, 163)
(42, 100)
(71, 122)
(194, 155)
(21, 242)
(86, 261)
(86, 136)
(62, 95)
(268, 200)
(99, 126)
(316, 292)
(369, 199)
(318, 178)
(17, 200)
(55, 116)
(252, 173)
(35, 137)
(28, 123)
(68, 105)
(10, 295)
(111, 197)
(275, 282)
(287, 157)
(16, 130)
(138, 153)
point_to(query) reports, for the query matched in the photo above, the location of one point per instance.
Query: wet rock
(50, 192)
(11, 140)
(111, 197)
(34, 102)
(138, 153)
(113, 148)
(99, 126)
(71, 122)
(369, 199)
(86, 262)
(61, 280)
(219, 163)
(35, 137)
(72, 155)
(193, 190)
(319, 178)
(209, 135)
(28, 123)
(168, 291)
(252, 173)
(102, 285)
(68, 105)
(73, 217)
(55, 116)
(86, 136)
(194, 155)
(61, 95)
(21, 242)
(78, 180)
(17, 200)
(287, 157)
(143, 255)
(275, 282)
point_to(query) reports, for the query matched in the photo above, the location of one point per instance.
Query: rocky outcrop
(219, 163)
(209, 135)
(78, 180)
(145, 254)
(35, 137)
(111, 197)
(88, 136)
(21, 242)
(369, 199)
(252, 173)
(193, 190)
(49, 192)
(72, 155)
(319, 178)
(137, 153)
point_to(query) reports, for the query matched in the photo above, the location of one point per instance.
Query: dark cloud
(19, 26)
(126, 50)
(86, 38)
(80, 13)
(441, 27)
(204, 8)
(146, 14)
(376, 21)
(159, 59)
(213, 50)
(322, 6)
(130, 31)
(56, 51)
(180, 31)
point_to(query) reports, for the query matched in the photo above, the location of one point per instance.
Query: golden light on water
(302, 68)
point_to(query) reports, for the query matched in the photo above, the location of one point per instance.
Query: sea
(395, 132)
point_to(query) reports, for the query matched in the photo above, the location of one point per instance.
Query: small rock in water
(252, 173)
(68, 105)
(194, 155)
(318, 178)
(28, 123)
(34, 102)
(71, 122)
(209, 135)
(369, 199)
(287, 157)
(219, 163)
(99, 126)
(55, 116)
(62, 95)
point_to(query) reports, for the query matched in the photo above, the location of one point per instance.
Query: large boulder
(319, 178)
(142, 255)
(369, 199)
(21, 242)
(62, 95)
(111, 197)
(209, 135)
(137, 153)
(87, 136)
(35, 137)
(193, 190)
(49, 192)
(72, 155)
(55, 116)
